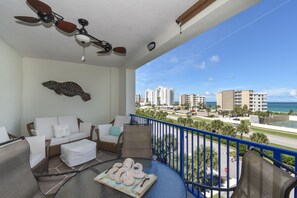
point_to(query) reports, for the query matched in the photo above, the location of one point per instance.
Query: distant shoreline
(277, 107)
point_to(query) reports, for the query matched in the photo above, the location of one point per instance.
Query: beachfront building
(192, 99)
(160, 96)
(255, 101)
(138, 98)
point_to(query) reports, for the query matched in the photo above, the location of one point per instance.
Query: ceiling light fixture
(83, 39)
(151, 46)
(193, 11)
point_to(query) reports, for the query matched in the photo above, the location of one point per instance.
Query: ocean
(272, 106)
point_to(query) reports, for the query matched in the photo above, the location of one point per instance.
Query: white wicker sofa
(60, 130)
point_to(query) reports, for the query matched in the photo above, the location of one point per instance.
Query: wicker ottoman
(79, 152)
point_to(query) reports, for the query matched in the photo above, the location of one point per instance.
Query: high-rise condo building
(255, 101)
(160, 96)
(137, 98)
(192, 99)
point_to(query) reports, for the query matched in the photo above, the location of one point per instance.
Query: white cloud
(174, 59)
(205, 64)
(214, 58)
(293, 93)
(202, 65)
(210, 79)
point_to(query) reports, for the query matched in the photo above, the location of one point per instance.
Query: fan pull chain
(83, 56)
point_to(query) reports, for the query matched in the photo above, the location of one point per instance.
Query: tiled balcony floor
(49, 185)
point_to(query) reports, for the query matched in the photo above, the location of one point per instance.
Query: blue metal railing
(205, 157)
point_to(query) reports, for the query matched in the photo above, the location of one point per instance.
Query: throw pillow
(61, 131)
(115, 131)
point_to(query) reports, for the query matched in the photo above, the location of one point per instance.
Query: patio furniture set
(258, 176)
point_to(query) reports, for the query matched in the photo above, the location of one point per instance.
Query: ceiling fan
(46, 15)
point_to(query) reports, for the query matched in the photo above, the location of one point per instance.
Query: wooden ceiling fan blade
(120, 50)
(66, 26)
(39, 6)
(28, 19)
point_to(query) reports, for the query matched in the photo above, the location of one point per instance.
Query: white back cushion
(104, 130)
(85, 127)
(37, 149)
(121, 120)
(3, 135)
(61, 130)
(44, 126)
(71, 121)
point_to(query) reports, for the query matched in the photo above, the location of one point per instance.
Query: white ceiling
(130, 23)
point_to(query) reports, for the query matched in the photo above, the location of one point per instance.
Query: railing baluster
(228, 168)
(211, 167)
(219, 162)
(181, 147)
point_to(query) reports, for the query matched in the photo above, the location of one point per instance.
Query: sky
(256, 49)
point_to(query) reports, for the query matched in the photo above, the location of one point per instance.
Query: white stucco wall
(10, 88)
(38, 101)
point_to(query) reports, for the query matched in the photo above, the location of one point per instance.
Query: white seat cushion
(71, 121)
(37, 149)
(109, 138)
(3, 135)
(44, 126)
(55, 141)
(121, 120)
(77, 136)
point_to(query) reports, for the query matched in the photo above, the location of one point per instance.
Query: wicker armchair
(109, 143)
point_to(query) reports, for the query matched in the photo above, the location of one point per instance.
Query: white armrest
(37, 145)
(104, 129)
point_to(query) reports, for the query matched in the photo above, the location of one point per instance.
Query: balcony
(217, 162)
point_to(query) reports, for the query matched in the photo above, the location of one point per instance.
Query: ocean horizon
(272, 106)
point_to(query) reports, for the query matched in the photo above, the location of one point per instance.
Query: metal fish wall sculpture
(68, 89)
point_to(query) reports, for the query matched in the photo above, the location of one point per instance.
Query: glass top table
(169, 184)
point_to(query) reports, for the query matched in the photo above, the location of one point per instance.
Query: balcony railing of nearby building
(205, 157)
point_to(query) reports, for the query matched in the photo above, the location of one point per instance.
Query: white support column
(127, 91)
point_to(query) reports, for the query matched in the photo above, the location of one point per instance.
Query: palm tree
(217, 125)
(189, 121)
(217, 107)
(224, 113)
(242, 128)
(196, 124)
(182, 121)
(211, 160)
(259, 137)
(229, 130)
(208, 109)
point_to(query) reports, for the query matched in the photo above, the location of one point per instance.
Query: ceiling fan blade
(66, 26)
(28, 19)
(39, 6)
(102, 52)
(120, 50)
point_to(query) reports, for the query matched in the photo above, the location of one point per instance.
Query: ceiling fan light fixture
(151, 46)
(83, 39)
